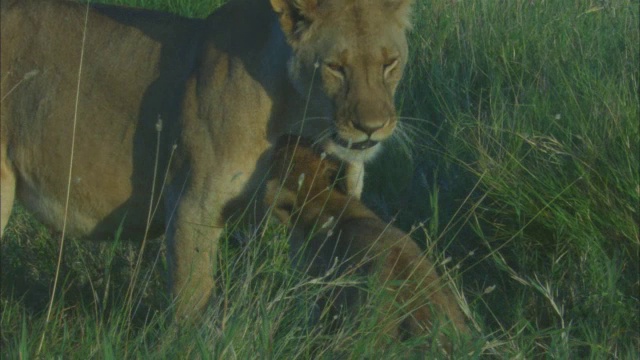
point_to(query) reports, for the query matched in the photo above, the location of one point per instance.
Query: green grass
(524, 171)
(183, 7)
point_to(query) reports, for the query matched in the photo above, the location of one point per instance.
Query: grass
(524, 170)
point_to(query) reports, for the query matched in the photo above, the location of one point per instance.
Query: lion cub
(308, 192)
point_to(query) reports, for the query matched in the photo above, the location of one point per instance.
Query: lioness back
(149, 102)
(307, 192)
(129, 78)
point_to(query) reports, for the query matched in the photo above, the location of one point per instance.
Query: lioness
(224, 87)
(309, 192)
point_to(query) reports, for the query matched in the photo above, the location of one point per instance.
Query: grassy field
(523, 176)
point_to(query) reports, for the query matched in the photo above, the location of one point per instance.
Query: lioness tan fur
(224, 89)
(309, 192)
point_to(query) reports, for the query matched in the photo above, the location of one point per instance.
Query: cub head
(348, 56)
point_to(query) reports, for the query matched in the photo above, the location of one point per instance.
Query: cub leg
(410, 278)
(419, 289)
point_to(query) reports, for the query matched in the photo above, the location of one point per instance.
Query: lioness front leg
(7, 190)
(355, 179)
(192, 242)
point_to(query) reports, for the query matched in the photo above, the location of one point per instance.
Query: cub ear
(295, 16)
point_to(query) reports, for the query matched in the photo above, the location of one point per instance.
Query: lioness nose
(369, 127)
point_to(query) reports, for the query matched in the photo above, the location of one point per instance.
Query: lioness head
(349, 55)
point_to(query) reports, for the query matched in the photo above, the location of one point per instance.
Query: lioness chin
(225, 88)
(308, 191)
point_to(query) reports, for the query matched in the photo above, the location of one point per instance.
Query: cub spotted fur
(225, 88)
(307, 191)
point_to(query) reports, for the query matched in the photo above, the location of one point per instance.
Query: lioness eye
(336, 69)
(388, 66)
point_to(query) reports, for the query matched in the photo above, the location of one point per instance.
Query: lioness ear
(295, 16)
(401, 9)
